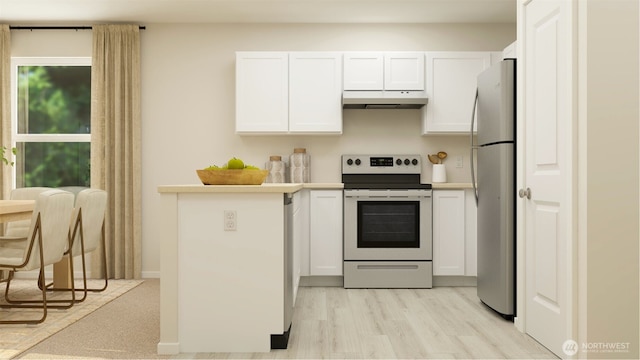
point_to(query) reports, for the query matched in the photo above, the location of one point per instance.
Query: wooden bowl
(232, 177)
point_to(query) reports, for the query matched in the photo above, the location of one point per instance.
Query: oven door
(387, 224)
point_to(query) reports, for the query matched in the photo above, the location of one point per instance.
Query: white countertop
(277, 187)
(264, 188)
(320, 186)
(437, 186)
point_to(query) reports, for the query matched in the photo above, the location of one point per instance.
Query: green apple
(235, 163)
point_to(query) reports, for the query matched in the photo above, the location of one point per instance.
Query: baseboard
(311, 281)
(165, 348)
(151, 274)
(455, 281)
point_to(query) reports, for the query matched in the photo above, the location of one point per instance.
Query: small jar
(277, 169)
(299, 168)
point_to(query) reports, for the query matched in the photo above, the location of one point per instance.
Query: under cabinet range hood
(404, 99)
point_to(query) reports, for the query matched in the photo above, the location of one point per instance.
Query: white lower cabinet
(448, 232)
(454, 233)
(325, 232)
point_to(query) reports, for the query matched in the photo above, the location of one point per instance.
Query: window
(51, 121)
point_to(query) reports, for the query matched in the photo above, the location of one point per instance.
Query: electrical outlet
(459, 161)
(230, 220)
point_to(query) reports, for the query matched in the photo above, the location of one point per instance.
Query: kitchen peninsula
(223, 267)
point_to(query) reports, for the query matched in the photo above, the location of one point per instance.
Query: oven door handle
(365, 197)
(360, 194)
(387, 267)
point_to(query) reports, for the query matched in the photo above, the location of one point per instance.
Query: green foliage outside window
(53, 100)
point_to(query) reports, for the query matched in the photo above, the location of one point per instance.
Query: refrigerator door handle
(473, 148)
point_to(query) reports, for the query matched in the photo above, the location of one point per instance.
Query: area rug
(14, 339)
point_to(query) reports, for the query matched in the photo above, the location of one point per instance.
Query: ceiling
(80, 12)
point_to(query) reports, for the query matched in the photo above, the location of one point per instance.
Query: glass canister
(299, 168)
(277, 169)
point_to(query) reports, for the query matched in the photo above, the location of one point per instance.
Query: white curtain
(5, 106)
(115, 145)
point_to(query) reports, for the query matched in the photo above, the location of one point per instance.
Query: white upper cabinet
(363, 71)
(404, 71)
(262, 92)
(451, 80)
(383, 71)
(282, 92)
(315, 92)
(511, 51)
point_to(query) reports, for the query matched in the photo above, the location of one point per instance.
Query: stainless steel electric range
(387, 222)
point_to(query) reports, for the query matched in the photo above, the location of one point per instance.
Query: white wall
(188, 98)
(611, 205)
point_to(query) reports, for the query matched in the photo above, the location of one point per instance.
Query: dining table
(14, 210)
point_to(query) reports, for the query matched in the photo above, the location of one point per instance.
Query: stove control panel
(381, 164)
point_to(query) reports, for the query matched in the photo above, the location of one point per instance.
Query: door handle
(525, 193)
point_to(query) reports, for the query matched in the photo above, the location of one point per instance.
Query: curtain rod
(57, 27)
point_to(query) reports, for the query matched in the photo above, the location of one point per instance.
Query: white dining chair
(45, 244)
(87, 233)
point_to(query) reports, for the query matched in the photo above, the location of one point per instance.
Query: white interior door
(548, 163)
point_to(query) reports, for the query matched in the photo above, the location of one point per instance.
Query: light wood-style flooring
(443, 322)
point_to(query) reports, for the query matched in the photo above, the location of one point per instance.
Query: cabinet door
(404, 71)
(325, 232)
(511, 51)
(451, 88)
(262, 92)
(315, 92)
(448, 232)
(363, 71)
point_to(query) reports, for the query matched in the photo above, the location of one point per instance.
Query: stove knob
(349, 162)
(407, 162)
(358, 162)
(399, 162)
(414, 162)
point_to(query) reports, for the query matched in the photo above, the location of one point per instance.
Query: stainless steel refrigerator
(495, 193)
